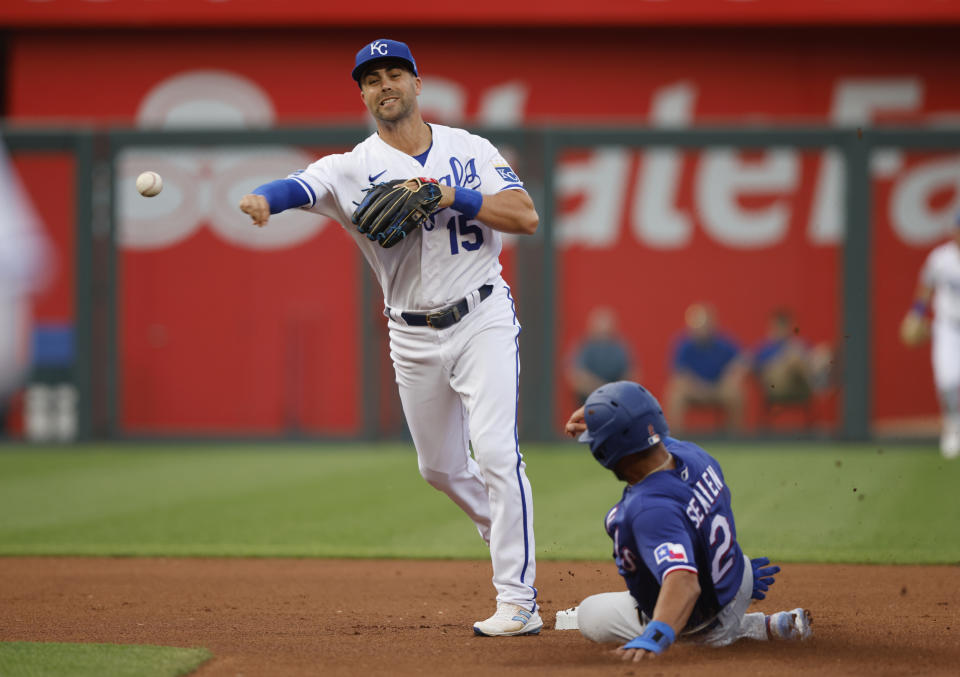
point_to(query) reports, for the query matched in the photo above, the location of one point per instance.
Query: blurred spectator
(601, 357)
(788, 369)
(708, 371)
(23, 252)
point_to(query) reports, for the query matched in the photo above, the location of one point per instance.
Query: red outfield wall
(212, 314)
(551, 13)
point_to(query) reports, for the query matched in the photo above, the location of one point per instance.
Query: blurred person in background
(602, 356)
(708, 370)
(23, 255)
(940, 281)
(788, 368)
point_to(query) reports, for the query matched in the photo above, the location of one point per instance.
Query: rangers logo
(608, 520)
(507, 174)
(670, 552)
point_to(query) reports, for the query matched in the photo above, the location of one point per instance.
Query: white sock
(754, 626)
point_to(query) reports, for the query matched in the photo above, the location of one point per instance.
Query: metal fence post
(83, 285)
(856, 291)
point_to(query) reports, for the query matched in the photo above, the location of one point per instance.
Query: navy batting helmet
(622, 418)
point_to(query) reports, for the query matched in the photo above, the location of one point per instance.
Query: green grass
(40, 659)
(812, 503)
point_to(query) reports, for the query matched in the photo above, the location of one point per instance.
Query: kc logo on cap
(383, 49)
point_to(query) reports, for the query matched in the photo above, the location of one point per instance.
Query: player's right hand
(257, 207)
(575, 424)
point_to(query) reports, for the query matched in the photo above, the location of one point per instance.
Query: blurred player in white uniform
(940, 278)
(23, 253)
(453, 327)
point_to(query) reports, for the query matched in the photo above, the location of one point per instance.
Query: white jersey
(941, 272)
(23, 248)
(449, 257)
(23, 253)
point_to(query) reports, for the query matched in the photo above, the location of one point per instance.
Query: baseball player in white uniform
(940, 278)
(454, 334)
(23, 259)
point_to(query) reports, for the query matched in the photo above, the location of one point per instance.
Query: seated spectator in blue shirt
(790, 370)
(601, 357)
(708, 370)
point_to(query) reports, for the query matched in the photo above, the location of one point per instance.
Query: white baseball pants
(945, 354)
(459, 387)
(614, 617)
(14, 343)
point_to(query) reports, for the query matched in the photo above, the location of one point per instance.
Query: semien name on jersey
(705, 493)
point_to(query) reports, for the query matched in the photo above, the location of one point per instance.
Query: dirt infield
(354, 617)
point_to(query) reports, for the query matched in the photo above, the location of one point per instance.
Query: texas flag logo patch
(670, 552)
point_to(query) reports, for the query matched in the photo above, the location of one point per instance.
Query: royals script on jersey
(450, 256)
(678, 519)
(941, 271)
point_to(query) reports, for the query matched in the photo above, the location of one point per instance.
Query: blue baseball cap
(383, 50)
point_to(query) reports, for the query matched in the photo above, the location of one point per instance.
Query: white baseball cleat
(509, 621)
(795, 625)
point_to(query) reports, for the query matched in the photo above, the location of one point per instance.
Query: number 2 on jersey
(457, 225)
(720, 530)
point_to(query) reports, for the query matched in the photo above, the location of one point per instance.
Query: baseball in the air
(149, 184)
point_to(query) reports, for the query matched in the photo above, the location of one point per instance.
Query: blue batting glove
(762, 576)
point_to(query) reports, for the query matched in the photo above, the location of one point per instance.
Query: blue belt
(447, 317)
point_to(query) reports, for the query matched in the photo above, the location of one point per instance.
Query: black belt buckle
(440, 318)
(447, 317)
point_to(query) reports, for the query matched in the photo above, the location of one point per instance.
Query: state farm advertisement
(225, 327)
